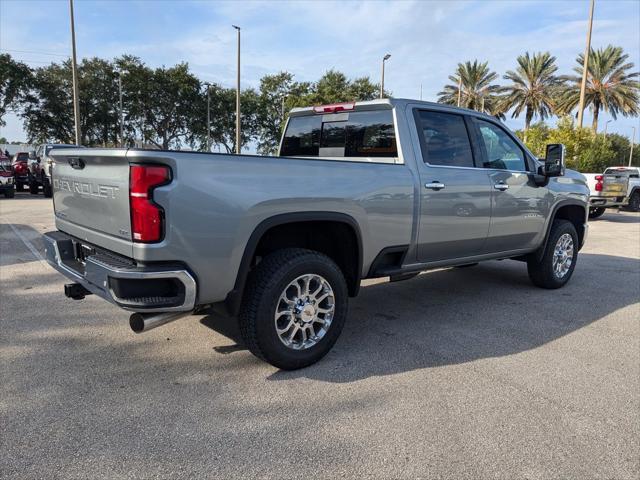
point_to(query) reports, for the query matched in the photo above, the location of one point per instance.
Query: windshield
(22, 157)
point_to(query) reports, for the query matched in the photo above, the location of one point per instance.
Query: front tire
(559, 259)
(294, 307)
(33, 188)
(595, 212)
(47, 191)
(9, 193)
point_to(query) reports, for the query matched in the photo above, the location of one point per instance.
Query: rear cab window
(444, 139)
(365, 135)
(630, 172)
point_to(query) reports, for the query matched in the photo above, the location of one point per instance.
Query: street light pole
(121, 110)
(74, 73)
(585, 67)
(633, 139)
(208, 117)
(384, 59)
(238, 95)
(459, 89)
(606, 125)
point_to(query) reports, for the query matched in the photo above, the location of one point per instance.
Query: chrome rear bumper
(167, 288)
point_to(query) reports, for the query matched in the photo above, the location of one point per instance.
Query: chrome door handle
(501, 186)
(435, 185)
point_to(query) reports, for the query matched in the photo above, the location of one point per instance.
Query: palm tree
(477, 92)
(533, 88)
(610, 85)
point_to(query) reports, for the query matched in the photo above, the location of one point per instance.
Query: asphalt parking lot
(462, 373)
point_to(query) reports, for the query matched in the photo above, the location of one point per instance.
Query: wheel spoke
(304, 334)
(282, 331)
(317, 290)
(294, 330)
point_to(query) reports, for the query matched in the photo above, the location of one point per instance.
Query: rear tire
(595, 212)
(559, 259)
(33, 188)
(9, 193)
(271, 288)
(20, 187)
(634, 202)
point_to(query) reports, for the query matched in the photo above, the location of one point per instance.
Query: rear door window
(444, 139)
(361, 134)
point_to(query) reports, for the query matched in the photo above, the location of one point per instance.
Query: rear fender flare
(234, 298)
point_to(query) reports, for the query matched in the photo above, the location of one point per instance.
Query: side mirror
(554, 160)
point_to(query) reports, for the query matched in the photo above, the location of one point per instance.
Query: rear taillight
(599, 182)
(146, 217)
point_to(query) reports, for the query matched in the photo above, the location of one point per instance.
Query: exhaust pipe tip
(141, 322)
(136, 322)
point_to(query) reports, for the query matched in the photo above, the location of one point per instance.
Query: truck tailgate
(91, 190)
(614, 185)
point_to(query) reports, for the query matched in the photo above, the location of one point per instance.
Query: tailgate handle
(76, 163)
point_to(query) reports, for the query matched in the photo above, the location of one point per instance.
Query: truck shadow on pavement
(618, 218)
(460, 315)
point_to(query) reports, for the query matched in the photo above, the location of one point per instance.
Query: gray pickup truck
(386, 188)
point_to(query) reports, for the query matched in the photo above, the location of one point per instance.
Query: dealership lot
(463, 373)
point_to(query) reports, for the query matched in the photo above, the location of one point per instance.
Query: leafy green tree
(362, 89)
(273, 94)
(15, 81)
(223, 118)
(160, 103)
(621, 147)
(47, 109)
(478, 91)
(611, 86)
(585, 152)
(335, 87)
(100, 117)
(534, 86)
(536, 138)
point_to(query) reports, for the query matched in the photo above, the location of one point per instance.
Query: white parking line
(29, 245)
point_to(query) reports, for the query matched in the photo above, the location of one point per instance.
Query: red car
(21, 173)
(6, 177)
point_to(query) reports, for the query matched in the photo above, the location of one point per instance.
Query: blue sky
(425, 38)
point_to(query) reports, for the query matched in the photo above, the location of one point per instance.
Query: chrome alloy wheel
(304, 311)
(563, 255)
